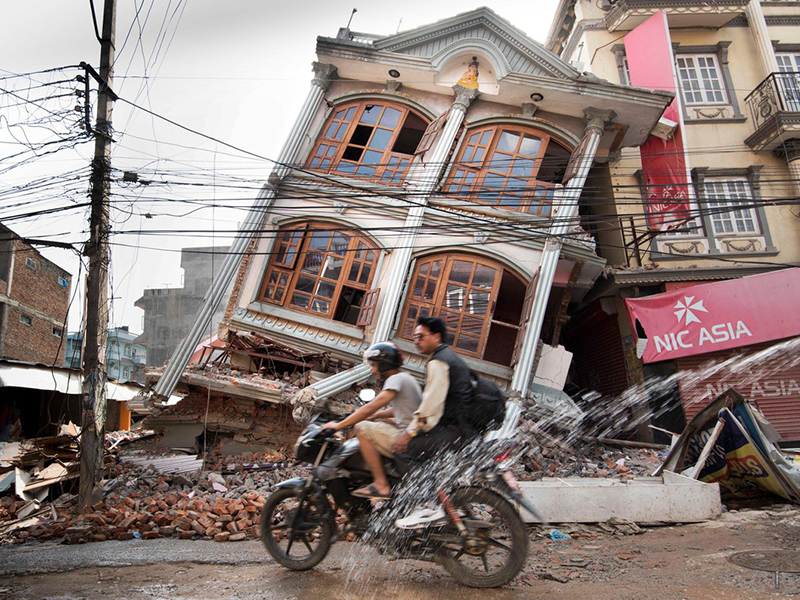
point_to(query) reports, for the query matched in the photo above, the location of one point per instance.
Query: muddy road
(662, 563)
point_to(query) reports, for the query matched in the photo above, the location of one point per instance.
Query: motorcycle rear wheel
(497, 544)
(311, 535)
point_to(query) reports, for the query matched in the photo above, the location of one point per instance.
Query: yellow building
(737, 67)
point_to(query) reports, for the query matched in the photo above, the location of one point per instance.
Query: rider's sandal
(370, 492)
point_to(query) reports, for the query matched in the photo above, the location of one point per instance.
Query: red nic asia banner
(651, 64)
(717, 316)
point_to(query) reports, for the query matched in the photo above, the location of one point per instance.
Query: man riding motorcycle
(402, 394)
(435, 424)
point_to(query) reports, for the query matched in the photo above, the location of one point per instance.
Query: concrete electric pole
(95, 333)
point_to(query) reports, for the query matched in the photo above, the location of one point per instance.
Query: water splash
(611, 416)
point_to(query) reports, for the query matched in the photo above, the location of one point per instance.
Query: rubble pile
(242, 420)
(141, 502)
(32, 467)
(546, 456)
(261, 354)
(237, 375)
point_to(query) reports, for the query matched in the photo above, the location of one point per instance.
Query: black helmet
(386, 354)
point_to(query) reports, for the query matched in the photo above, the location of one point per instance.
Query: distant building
(34, 299)
(169, 312)
(125, 356)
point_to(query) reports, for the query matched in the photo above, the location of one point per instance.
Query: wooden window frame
(432, 132)
(368, 305)
(530, 292)
(474, 164)
(328, 152)
(414, 306)
(356, 244)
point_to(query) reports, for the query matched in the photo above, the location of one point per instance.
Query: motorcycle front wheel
(304, 545)
(496, 547)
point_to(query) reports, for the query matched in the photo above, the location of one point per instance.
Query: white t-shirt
(407, 398)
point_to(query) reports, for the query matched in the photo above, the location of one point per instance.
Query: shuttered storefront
(598, 355)
(775, 391)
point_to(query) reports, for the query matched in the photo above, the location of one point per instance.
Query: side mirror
(367, 395)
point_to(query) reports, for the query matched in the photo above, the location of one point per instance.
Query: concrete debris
(232, 423)
(619, 526)
(32, 466)
(259, 354)
(120, 438)
(547, 456)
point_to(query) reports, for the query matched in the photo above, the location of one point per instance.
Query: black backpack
(484, 410)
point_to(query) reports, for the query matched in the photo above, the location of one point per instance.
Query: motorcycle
(481, 541)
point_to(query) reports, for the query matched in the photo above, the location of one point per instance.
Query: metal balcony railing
(778, 93)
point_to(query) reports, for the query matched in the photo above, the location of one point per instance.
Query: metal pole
(95, 333)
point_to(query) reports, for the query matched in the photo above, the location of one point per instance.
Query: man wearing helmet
(402, 394)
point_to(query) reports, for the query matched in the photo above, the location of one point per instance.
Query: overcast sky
(235, 70)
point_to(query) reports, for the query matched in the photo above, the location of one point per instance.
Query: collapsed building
(436, 171)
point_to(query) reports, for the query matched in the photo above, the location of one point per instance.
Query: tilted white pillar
(424, 187)
(323, 75)
(758, 27)
(568, 209)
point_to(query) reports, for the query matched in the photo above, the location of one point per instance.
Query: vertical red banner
(651, 64)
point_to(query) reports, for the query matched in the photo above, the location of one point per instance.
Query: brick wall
(37, 305)
(31, 343)
(233, 300)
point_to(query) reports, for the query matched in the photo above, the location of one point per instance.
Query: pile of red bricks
(142, 503)
(171, 514)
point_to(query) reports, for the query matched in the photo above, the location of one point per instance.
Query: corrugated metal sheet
(776, 394)
(177, 463)
(61, 380)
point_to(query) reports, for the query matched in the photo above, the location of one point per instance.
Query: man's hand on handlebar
(335, 425)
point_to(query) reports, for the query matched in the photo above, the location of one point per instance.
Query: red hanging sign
(651, 63)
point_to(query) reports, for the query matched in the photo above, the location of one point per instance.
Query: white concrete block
(670, 498)
(553, 367)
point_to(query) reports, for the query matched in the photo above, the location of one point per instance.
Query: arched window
(322, 269)
(369, 139)
(510, 166)
(478, 298)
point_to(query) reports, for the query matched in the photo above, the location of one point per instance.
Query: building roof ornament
(469, 79)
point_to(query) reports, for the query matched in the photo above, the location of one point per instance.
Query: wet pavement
(663, 563)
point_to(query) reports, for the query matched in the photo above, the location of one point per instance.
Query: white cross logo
(688, 308)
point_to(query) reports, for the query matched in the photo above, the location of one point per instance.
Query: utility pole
(95, 333)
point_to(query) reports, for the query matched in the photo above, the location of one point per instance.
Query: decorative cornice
(300, 333)
(580, 28)
(654, 276)
(772, 21)
(496, 25)
(626, 8)
(558, 29)
(790, 150)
